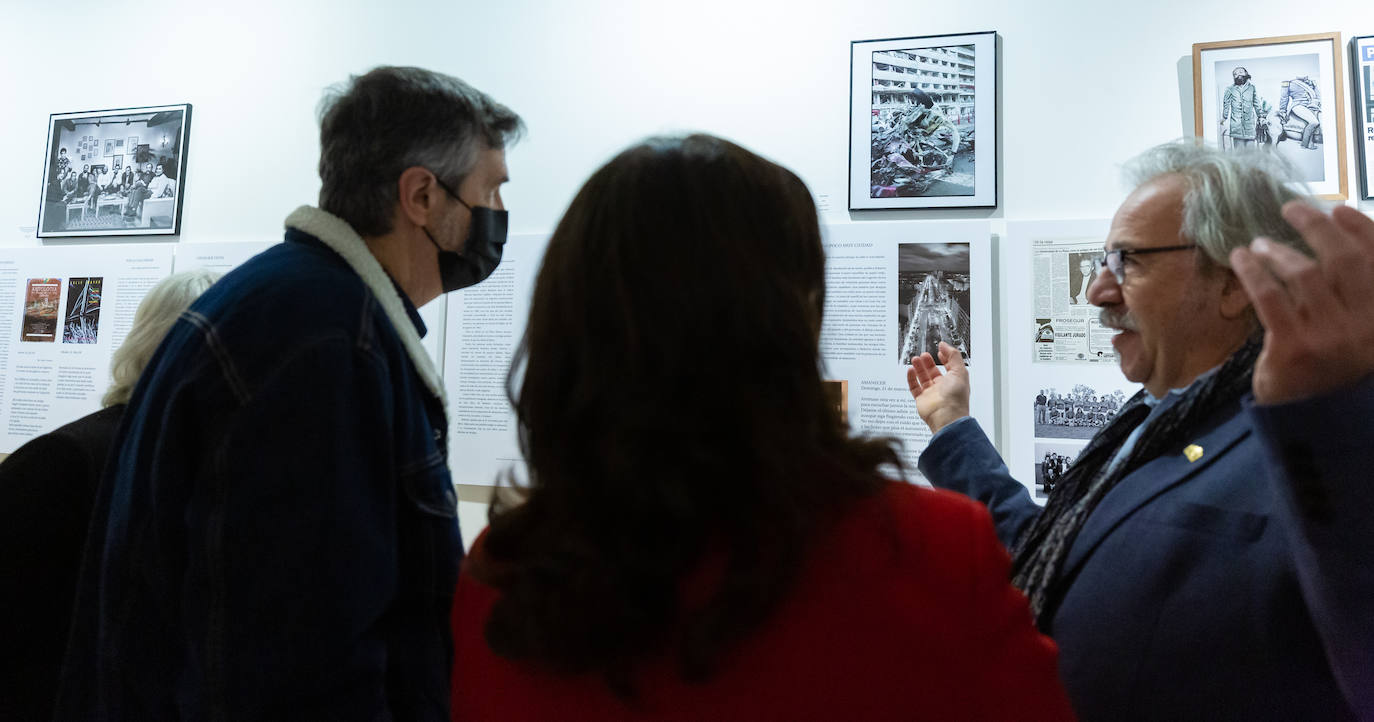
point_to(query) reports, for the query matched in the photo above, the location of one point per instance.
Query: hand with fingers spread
(1319, 328)
(941, 398)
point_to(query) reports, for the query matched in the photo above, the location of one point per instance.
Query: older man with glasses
(1210, 552)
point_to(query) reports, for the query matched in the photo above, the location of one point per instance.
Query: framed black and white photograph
(132, 189)
(1081, 272)
(1362, 106)
(1078, 413)
(1280, 94)
(923, 122)
(1052, 459)
(933, 299)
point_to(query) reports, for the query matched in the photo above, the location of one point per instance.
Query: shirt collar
(1151, 400)
(411, 311)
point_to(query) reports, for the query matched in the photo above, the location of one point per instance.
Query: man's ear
(1235, 303)
(418, 195)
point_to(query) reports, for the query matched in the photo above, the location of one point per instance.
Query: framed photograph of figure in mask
(923, 122)
(1278, 94)
(98, 180)
(1362, 107)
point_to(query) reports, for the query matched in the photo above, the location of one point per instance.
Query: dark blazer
(1236, 586)
(279, 527)
(46, 490)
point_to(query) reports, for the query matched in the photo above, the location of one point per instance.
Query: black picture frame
(1362, 108)
(923, 122)
(74, 202)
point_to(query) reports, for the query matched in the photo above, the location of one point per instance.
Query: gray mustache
(1114, 318)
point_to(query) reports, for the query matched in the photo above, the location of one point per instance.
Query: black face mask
(481, 251)
(1240, 79)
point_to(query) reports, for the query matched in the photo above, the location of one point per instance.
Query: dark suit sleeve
(960, 458)
(46, 489)
(1321, 455)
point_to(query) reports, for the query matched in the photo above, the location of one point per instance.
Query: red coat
(926, 628)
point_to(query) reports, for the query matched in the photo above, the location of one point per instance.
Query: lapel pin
(1193, 452)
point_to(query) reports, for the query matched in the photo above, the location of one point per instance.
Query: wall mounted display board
(98, 180)
(1278, 93)
(482, 327)
(1362, 107)
(895, 290)
(923, 122)
(892, 289)
(217, 257)
(63, 312)
(1063, 381)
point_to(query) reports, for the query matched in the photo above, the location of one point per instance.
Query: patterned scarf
(1039, 553)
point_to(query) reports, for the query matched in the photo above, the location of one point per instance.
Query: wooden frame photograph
(1280, 93)
(923, 122)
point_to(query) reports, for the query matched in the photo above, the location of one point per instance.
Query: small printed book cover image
(40, 309)
(83, 310)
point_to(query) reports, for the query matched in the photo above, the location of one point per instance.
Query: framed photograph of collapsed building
(129, 190)
(923, 122)
(1362, 106)
(1280, 94)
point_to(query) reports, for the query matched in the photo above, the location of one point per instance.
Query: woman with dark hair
(701, 537)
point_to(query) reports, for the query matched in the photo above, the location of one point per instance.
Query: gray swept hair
(153, 319)
(392, 118)
(1231, 197)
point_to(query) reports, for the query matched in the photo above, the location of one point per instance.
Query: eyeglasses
(1115, 261)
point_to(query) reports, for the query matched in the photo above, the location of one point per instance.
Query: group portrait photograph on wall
(1076, 414)
(1052, 459)
(923, 122)
(114, 172)
(1280, 94)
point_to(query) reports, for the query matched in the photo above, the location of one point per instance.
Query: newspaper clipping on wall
(1066, 324)
(893, 290)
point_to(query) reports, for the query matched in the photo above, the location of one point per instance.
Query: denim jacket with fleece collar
(279, 527)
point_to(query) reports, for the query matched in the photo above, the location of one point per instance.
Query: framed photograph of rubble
(923, 122)
(1279, 94)
(1362, 106)
(130, 190)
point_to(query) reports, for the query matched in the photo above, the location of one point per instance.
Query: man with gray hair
(279, 525)
(1209, 553)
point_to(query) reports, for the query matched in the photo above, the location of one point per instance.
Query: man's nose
(1104, 290)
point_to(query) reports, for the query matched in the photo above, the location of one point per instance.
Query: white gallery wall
(1084, 86)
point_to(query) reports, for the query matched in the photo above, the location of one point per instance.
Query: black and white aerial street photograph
(932, 299)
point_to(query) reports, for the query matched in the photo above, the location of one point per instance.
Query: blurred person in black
(46, 491)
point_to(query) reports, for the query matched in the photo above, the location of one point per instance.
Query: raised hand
(941, 398)
(1318, 323)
